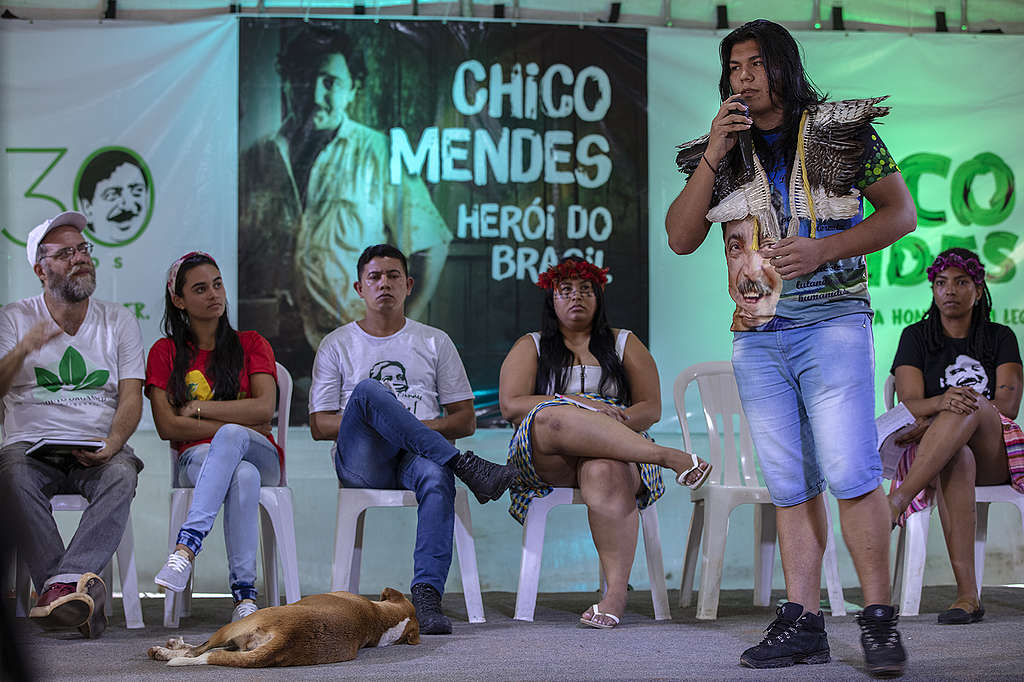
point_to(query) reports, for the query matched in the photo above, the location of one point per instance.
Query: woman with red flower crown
(959, 374)
(582, 395)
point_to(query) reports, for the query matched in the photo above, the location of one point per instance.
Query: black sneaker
(487, 480)
(427, 601)
(884, 654)
(790, 639)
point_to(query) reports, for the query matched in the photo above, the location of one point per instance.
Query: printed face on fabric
(575, 301)
(965, 371)
(754, 284)
(69, 279)
(326, 99)
(384, 285)
(202, 293)
(119, 204)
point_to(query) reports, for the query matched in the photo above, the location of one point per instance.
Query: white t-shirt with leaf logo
(68, 388)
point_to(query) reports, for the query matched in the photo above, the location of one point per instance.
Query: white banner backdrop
(953, 130)
(133, 124)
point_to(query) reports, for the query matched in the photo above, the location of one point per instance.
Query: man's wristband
(710, 167)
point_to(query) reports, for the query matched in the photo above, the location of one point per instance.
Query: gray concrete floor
(554, 648)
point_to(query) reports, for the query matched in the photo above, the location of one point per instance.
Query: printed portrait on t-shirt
(965, 371)
(392, 374)
(754, 284)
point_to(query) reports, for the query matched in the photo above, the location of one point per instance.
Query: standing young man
(805, 370)
(394, 430)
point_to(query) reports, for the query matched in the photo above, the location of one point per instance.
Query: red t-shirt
(258, 355)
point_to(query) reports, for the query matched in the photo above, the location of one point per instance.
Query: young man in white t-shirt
(72, 368)
(393, 395)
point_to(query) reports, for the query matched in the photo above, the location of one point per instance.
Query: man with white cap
(71, 368)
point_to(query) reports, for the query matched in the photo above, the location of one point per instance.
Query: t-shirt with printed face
(954, 364)
(258, 357)
(766, 302)
(69, 387)
(419, 363)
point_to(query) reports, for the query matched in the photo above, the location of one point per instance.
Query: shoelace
(178, 563)
(779, 630)
(879, 633)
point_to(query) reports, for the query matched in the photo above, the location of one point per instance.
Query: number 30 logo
(113, 188)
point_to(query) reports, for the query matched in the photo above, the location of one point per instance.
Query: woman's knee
(246, 477)
(231, 436)
(608, 484)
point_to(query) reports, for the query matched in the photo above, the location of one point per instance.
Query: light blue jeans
(381, 444)
(809, 395)
(229, 471)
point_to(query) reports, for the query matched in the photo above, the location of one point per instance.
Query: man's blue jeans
(382, 445)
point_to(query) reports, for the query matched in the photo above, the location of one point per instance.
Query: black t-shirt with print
(953, 366)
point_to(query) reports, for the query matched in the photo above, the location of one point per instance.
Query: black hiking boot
(884, 655)
(791, 638)
(487, 480)
(427, 601)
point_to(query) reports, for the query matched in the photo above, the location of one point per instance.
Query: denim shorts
(809, 396)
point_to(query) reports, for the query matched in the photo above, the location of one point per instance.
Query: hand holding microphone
(745, 143)
(728, 125)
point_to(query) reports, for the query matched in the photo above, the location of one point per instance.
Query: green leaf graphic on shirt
(94, 380)
(72, 367)
(47, 379)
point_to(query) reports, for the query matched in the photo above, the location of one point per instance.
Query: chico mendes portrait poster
(484, 151)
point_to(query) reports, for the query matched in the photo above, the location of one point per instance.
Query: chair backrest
(733, 459)
(889, 392)
(284, 402)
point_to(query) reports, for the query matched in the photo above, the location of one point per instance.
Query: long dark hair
(227, 358)
(788, 83)
(978, 346)
(555, 360)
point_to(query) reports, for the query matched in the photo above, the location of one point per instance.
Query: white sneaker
(175, 573)
(244, 608)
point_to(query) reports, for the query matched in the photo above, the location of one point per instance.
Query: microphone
(746, 145)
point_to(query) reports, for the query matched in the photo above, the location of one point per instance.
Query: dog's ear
(391, 594)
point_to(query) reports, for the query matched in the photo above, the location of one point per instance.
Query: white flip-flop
(681, 478)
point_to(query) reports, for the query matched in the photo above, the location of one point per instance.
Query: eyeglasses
(68, 252)
(583, 291)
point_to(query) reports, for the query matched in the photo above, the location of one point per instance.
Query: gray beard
(74, 289)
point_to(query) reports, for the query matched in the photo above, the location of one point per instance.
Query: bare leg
(958, 515)
(866, 530)
(949, 432)
(609, 490)
(802, 544)
(571, 432)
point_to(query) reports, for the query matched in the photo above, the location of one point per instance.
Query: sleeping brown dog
(322, 628)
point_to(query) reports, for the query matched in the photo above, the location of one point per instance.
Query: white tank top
(588, 376)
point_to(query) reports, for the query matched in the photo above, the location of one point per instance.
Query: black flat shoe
(960, 616)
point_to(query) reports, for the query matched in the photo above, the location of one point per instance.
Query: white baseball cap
(39, 232)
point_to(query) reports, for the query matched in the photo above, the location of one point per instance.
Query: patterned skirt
(529, 486)
(1013, 436)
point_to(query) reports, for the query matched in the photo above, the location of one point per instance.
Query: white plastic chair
(912, 546)
(277, 522)
(125, 564)
(733, 482)
(533, 548)
(348, 540)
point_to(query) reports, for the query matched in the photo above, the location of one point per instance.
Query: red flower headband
(972, 266)
(572, 269)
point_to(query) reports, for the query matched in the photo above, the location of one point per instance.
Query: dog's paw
(159, 653)
(177, 643)
(188, 660)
